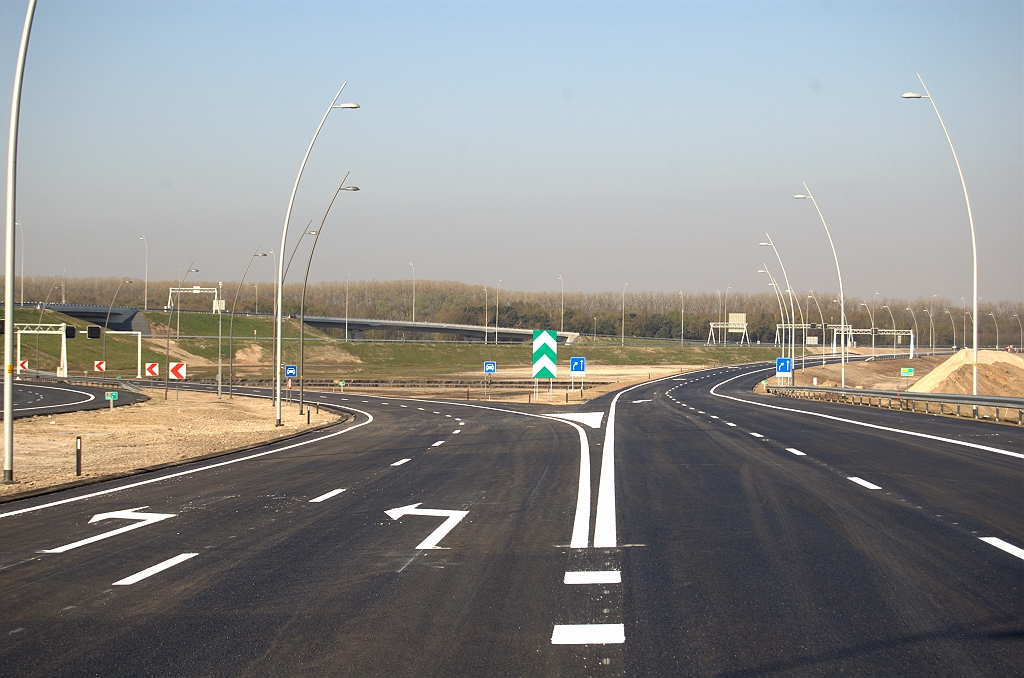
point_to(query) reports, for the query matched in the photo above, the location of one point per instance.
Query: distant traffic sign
(784, 366)
(906, 371)
(177, 371)
(100, 366)
(110, 395)
(545, 351)
(152, 369)
(291, 371)
(490, 367)
(577, 365)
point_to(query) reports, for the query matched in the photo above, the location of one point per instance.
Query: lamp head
(348, 105)
(260, 254)
(193, 270)
(351, 188)
(312, 232)
(765, 244)
(913, 95)
(800, 197)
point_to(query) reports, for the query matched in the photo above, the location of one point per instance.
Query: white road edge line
(1006, 546)
(593, 577)
(795, 451)
(150, 571)
(325, 497)
(401, 461)
(369, 419)
(878, 427)
(864, 483)
(588, 634)
(89, 398)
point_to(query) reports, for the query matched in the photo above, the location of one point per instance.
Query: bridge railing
(995, 408)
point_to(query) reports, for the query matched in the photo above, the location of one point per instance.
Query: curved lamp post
(305, 280)
(231, 322)
(167, 348)
(997, 329)
(789, 288)
(931, 329)
(893, 319)
(280, 263)
(782, 306)
(496, 291)
(871, 313)
(682, 320)
(561, 324)
(1021, 332)
(145, 297)
(917, 332)
(413, 291)
(842, 299)
(106, 323)
(970, 218)
(952, 324)
(622, 339)
(41, 312)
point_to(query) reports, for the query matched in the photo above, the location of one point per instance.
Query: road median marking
(325, 497)
(795, 451)
(588, 634)
(593, 577)
(438, 443)
(401, 461)
(1005, 546)
(150, 571)
(864, 483)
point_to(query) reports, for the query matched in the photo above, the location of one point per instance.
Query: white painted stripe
(588, 634)
(729, 423)
(714, 416)
(421, 409)
(150, 571)
(700, 411)
(581, 523)
(795, 451)
(369, 419)
(400, 462)
(457, 431)
(325, 497)
(879, 427)
(596, 577)
(864, 483)
(439, 442)
(756, 435)
(1000, 544)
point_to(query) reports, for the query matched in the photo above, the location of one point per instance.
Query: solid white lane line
(1000, 544)
(598, 577)
(458, 430)
(439, 442)
(581, 523)
(325, 497)
(150, 571)
(588, 634)
(795, 451)
(756, 435)
(915, 434)
(401, 461)
(369, 419)
(864, 483)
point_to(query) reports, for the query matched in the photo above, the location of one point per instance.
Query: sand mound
(999, 374)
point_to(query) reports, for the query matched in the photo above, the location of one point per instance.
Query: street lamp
(561, 324)
(789, 288)
(997, 329)
(22, 248)
(106, 323)
(413, 292)
(931, 329)
(305, 280)
(778, 298)
(842, 299)
(1021, 332)
(145, 298)
(893, 319)
(496, 291)
(347, 280)
(622, 340)
(917, 332)
(231, 322)
(953, 325)
(40, 322)
(822, 318)
(284, 242)
(871, 313)
(167, 347)
(970, 218)
(595, 328)
(682, 320)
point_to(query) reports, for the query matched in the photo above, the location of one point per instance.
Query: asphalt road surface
(681, 527)
(33, 400)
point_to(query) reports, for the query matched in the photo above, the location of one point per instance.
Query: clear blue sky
(652, 143)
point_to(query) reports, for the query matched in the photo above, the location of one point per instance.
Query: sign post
(490, 367)
(111, 396)
(577, 367)
(907, 372)
(783, 369)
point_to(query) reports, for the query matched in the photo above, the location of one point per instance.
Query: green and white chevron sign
(545, 352)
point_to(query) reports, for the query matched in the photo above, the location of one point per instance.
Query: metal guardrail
(907, 401)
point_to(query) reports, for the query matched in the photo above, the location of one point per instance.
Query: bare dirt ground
(618, 376)
(143, 435)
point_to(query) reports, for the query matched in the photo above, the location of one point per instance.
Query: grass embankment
(331, 358)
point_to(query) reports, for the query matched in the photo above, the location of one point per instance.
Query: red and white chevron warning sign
(100, 366)
(22, 365)
(176, 370)
(152, 369)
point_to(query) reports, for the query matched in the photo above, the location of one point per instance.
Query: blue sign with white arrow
(291, 371)
(490, 367)
(577, 365)
(784, 366)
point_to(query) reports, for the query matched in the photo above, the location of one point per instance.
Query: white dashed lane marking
(864, 483)
(756, 435)
(439, 442)
(150, 571)
(401, 461)
(458, 430)
(795, 451)
(1005, 546)
(599, 577)
(588, 634)
(325, 497)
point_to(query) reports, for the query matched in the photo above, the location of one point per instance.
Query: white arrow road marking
(437, 535)
(325, 497)
(128, 514)
(150, 571)
(591, 419)
(864, 483)
(1006, 546)
(588, 634)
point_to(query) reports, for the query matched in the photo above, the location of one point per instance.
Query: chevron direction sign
(545, 352)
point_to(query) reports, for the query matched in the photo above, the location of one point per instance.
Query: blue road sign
(291, 371)
(490, 367)
(783, 366)
(577, 365)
